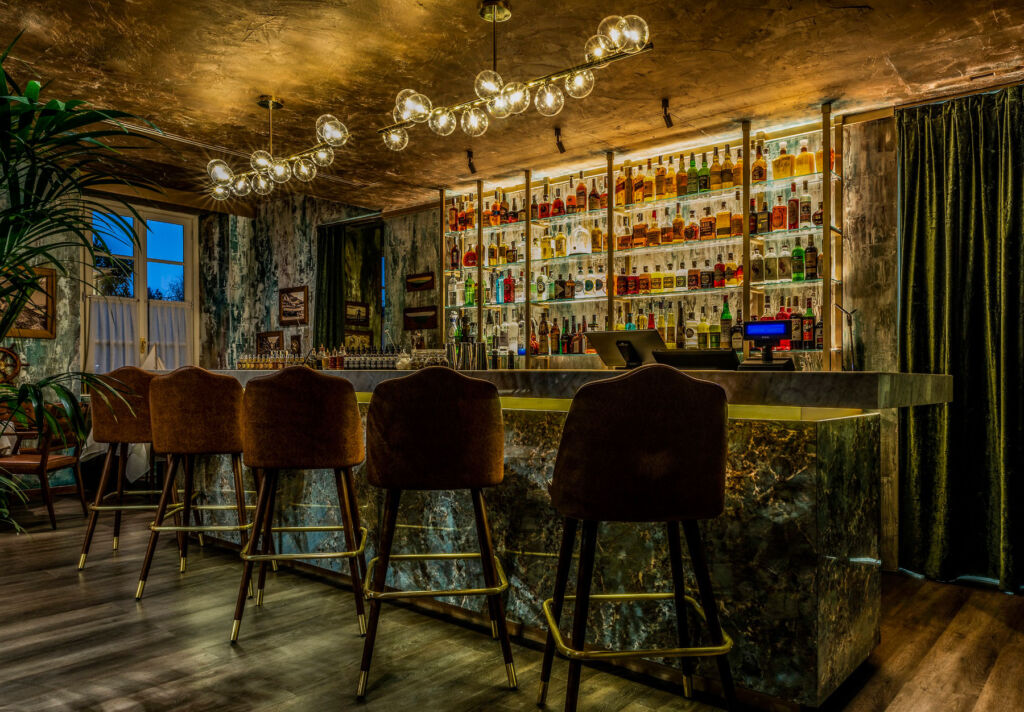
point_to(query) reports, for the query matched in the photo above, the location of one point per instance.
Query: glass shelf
(727, 193)
(568, 302)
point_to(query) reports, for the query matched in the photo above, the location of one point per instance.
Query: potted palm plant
(54, 155)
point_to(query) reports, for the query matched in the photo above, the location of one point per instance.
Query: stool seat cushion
(123, 419)
(435, 430)
(195, 412)
(647, 446)
(300, 419)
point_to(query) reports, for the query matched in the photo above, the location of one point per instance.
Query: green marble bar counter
(794, 559)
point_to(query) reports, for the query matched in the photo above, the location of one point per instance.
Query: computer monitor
(626, 349)
(766, 335)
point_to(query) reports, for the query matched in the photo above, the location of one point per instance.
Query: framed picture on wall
(293, 306)
(414, 318)
(356, 339)
(38, 318)
(419, 282)
(295, 344)
(267, 341)
(357, 314)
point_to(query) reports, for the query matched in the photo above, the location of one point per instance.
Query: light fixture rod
(532, 83)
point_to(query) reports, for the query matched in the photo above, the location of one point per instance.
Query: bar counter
(794, 559)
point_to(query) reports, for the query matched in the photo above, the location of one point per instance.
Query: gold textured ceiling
(195, 67)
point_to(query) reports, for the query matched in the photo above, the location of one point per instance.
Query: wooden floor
(78, 641)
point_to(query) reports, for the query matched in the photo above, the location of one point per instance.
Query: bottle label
(588, 285)
(655, 284)
(715, 340)
(785, 268)
(693, 280)
(707, 280)
(811, 264)
(668, 282)
(757, 173)
(598, 284)
(707, 229)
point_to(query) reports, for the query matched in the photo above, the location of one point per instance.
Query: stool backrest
(300, 419)
(647, 446)
(123, 417)
(435, 430)
(195, 412)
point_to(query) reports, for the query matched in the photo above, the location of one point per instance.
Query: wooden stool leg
(345, 496)
(387, 538)
(250, 547)
(186, 502)
(161, 510)
(353, 501)
(268, 533)
(90, 528)
(561, 580)
(497, 603)
(675, 555)
(236, 471)
(122, 467)
(44, 487)
(80, 486)
(707, 599)
(579, 618)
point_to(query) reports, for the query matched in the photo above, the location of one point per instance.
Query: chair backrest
(300, 419)
(195, 412)
(123, 417)
(435, 430)
(647, 446)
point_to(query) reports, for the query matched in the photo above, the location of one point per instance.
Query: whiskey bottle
(668, 279)
(707, 225)
(723, 221)
(470, 216)
(670, 181)
(621, 283)
(620, 187)
(632, 283)
(469, 256)
(682, 181)
(719, 278)
(652, 238)
(736, 221)
(659, 180)
(731, 269)
(558, 206)
(641, 318)
(453, 217)
(737, 168)
(561, 243)
(692, 182)
(581, 195)
(521, 215)
(779, 214)
(704, 175)
(666, 228)
(736, 332)
(503, 213)
(462, 216)
(513, 213)
(454, 255)
(818, 216)
(649, 194)
(692, 230)
(643, 282)
(715, 173)
(727, 170)
(782, 167)
(639, 232)
(764, 219)
(759, 169)
(559, 292)
(703, 331)
(692, 279)
(819, 334)
(570, 288)
(785, 263)
(555, 337)
(798, 262)
(492, 253)
(810, 259)
(752, 218)
(638, 188)
(603, 198)
(656, 280)
(678, 225)
(570, 199)
(594, 199)
(670, 327)
(793, 209)
(804, 160)
(545, 204)
(805, 207)
(707, 275)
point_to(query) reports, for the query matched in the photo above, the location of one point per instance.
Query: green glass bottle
(704, 175)
(691, 176)
(797, 262)
(470, 290)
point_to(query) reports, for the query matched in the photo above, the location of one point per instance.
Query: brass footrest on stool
(691, 652)
(386, 595)
(311, 554)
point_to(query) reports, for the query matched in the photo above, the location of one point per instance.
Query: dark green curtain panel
(961, 301)
(329, 315)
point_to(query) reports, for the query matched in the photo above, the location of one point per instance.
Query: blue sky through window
(112, 231)
(165, 241)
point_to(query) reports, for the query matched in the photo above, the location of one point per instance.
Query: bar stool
(194, 412)
(298, 419)
(435, 430)
(675, 475)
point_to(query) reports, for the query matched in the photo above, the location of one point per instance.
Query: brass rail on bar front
(386, 595)
(311, 554)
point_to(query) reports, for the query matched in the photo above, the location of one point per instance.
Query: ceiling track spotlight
(266, 169)
(664, 113)
(558, 140)
(617, 38)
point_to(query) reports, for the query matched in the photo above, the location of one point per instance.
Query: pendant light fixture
(616, 38)
(266, 169)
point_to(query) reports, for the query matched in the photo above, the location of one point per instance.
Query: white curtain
(113, 337)
(169, 332)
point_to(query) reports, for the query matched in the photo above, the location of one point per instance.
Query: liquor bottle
(759, 169)
(692, 229)
(643, 282)
(819, 215)
(570, 199)
(668, 279)
(659, 180)
(638, 187)
(666, 228)
(620, 187)
(736, 332)
(513, 213)
(541, 286)
(504, 212)
(783, 315)
(492, 253)
(819, 334)
(804, 160)
(588, 283)
(555, 337)
(692, 278)
(509, 290)
(715, 172)
(728, 180)
(641, 318)
(707, 225)
(633, 283)
(652, 238)
(725, 325)
(737, 168)
(630, 326)
(521, 217)
(704, 175)
(796, 340)
(819, 163)
(577, 283)
(470, 216)
(621, 283)
(753, 217)
(670, 327)
(678, 225)
(723, 221)
(453, 291)
(656, 276)
(651, 321)
(805, 207)
(470, 291)
(719, 277)
(785, 263)
(469, 256)
(736, 221)
(756, 267)
(558, 207)
(779, 214)
(453, 217)
(797, 262)
(649, 184)
(624, 237)
(682, 183)
(600, 285)
(569, 337)
(534, 208)
(707, 275)
(639, 232)
(489, 333)
(782, 166)
(730, 271)
(768, 314)
(810, 259)
(603, 198)
(670, 181)
(764, 219)
(692, 182)
(597, 239)
(462, 216)
(559, 292)
(807, 327)
(454, 255)
(771, 265)
(793, 209)
(561, 243)
(620, 323)
(703, 330)
(512, 253)
(594, 198)
(545, 204)
(690, 330)
(581, 195)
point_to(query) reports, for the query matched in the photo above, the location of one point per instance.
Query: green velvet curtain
(329, 314)
(961, 182)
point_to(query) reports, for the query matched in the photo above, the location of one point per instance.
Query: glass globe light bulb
(613, 28)
(400, 114)
(598, 48)
(635, 32)
(220, 192)
(474, 122)
(518, 96)
(441, 121)
(261, 185)
(241, 187)
(261, 161)
(323, 156)
(549, 100)
(304, 170)
(487, 84)
(280, 171)
(403, 95)
(396, 139)
(499, 106)
(579, 84)
(220, 172)
(330, 130)
(418, 107)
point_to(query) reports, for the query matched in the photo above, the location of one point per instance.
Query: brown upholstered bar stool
(298, 419)
(435, 430)
(675, 475)
(194, 412)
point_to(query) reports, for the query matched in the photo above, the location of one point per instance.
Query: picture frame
(293, 306)
(414, 318)
(356, 339)
(357, 314)
(267, 341)
(419, 282)
(295, 344)
(38, 318)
